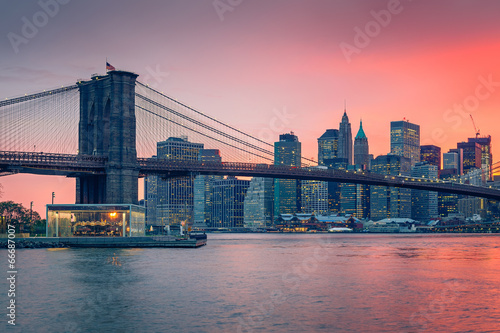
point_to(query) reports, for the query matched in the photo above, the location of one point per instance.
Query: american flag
(109, 67)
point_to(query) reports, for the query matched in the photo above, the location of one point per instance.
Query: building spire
(361, 133)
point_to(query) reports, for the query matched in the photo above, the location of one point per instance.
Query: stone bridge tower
(107, 128)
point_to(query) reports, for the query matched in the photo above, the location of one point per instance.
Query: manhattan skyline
(283, 63)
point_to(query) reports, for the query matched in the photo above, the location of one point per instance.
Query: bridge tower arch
(107, 128)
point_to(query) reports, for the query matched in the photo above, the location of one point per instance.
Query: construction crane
(475, 128)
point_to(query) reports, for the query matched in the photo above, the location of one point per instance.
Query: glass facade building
(405, 140)
(287, 151)
(314, 196)
(105, 220)
(390, 202)
(424, 204)
(258, 208)
(203, 191)
(431, 154)
(175, 201)
(486, 155)
(228, 197)
(471, 155)
(328, 146)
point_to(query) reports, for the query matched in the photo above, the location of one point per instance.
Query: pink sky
(272, 55)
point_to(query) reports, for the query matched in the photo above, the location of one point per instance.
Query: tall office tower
(334, 187)
(361, 149)
(454, 159)
(287, 151)
(151, 198)
(328, 155)
(387, 202)
(431, 154)
(471, 155)
(328, 146)
(405, 140)
(355, 198)
(175, 196)
(202, 190)
(345, 139)
(258, 208)
(314, 195)
(424, 204)
(486, 155)
(228, 197)
(447, 202)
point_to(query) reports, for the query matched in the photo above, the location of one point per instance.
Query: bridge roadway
(73, 165)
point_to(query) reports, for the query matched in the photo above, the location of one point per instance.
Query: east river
(264, 283)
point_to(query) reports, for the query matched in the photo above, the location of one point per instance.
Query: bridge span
(77, 165)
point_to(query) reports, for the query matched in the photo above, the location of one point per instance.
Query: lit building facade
(103, 220)
(328, 146)
(151, 198)
(202, 188)
(486, 154)
(228, 197)
(424, 204)
(431, 154)
(355, 198)
(471, 155)
(405, 140)
(259, 200)
(287, 151)
(314, 195)
(390, 202)
(175, 200)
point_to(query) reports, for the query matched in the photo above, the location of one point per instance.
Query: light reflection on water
(266, 283)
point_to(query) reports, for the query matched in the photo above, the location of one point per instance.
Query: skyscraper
(328, 146)
(471, 155)
(405, 140)
(228, 196)
(258, 209)
(175, 196)
(287, 151)
(431, 154)
(486, 156)
(202, 190)
(355, 198)
(361, 149)
(387, 202)
(345, 139)
(424, 204)
(314, 195)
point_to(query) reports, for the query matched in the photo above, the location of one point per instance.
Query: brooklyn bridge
(104, 131)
